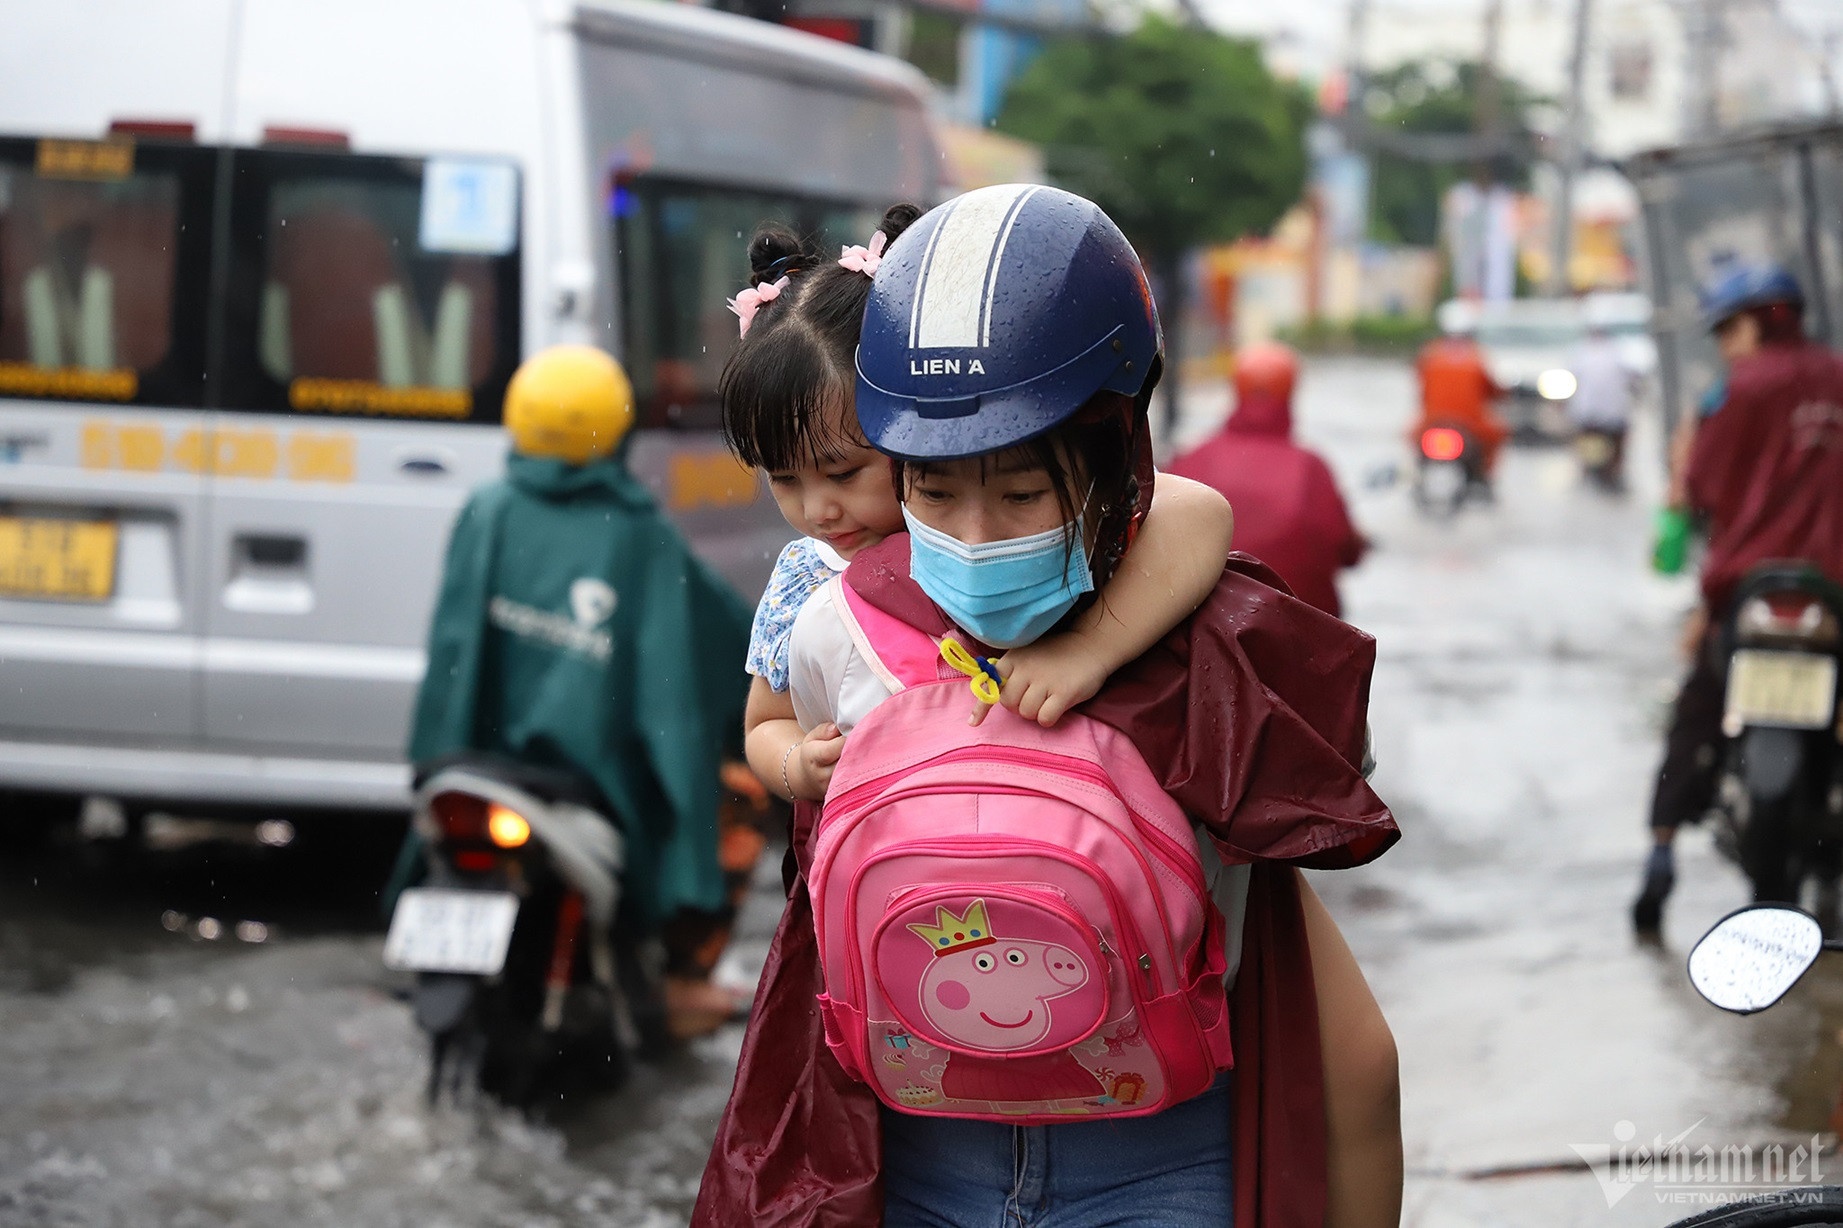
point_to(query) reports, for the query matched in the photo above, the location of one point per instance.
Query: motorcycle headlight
(1556, 384)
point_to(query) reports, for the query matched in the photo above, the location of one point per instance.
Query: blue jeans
(1170, 1170)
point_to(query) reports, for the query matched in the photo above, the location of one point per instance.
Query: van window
(348, 295)
(104, 257)
(683, 252)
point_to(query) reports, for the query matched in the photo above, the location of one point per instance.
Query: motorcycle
(523, 969)
(1602, 457)
(1450, 470)
(1746, 963)
(1780, 792)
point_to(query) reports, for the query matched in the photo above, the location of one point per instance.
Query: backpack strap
(899, 655)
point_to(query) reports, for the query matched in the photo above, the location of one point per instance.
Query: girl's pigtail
(897, 219)
(776, 254)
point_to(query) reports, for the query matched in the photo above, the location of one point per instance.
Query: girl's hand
(1045, 679)
(809, 768)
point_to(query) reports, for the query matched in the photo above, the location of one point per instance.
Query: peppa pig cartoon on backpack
(1005, 1001)
(1023, 906)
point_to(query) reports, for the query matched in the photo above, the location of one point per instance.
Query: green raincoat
(575, 628)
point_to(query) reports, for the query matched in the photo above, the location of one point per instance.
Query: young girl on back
(787, 411)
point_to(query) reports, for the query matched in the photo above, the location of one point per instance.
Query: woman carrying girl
(787, 411)
(1015, 395)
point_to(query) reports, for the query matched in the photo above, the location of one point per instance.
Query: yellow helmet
(571, 403)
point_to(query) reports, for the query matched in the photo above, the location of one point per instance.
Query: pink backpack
(1013, 921)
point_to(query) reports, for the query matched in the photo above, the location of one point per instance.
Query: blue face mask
(1003, 593)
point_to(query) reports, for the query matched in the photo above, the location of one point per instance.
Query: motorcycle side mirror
(1754, 956)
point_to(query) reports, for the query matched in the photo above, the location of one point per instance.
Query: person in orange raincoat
(1457, 391)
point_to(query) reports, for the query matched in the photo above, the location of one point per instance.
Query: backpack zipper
(842, 828)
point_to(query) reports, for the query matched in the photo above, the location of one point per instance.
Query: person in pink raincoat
(1288, 512)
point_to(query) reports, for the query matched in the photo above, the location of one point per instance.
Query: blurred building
(979, 157)
(1653, 67)
(972, 49)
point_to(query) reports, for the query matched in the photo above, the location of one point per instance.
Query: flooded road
(151, 1076)
(1527, 659)
(154, 1074)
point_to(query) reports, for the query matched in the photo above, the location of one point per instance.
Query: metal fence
(1770, 195)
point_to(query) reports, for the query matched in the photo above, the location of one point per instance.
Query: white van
(265, 269)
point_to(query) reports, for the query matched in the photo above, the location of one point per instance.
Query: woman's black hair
(799, 357)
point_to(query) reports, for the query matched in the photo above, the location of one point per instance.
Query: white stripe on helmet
(959, 271)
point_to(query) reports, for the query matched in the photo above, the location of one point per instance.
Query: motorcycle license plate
(436, 930)
(1443, 481)
(1594, 450)
(1791, 690)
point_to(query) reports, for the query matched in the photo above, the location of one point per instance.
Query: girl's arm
(1171, 567)
(791, 762)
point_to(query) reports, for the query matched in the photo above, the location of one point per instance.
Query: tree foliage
(1437, 98)
(1180, 134)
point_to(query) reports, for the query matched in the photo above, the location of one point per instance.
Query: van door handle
(423, 466)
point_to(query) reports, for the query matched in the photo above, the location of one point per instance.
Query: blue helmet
(1742, 287)
(995, 317)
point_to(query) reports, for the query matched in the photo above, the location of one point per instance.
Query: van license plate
(57, 560)
(436, 930)
(1791, 690)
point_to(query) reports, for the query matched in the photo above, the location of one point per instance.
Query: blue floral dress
(803, 567)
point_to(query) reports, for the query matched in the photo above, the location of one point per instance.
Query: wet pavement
(1527, 658)
(154, 1074)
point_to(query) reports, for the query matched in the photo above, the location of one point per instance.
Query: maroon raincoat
(1288, 512)
(1252, 713)
(1768, 468)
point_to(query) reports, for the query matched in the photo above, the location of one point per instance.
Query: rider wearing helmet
(1013, 329)
(1765, 471)
(571, 403)
(1291, 515)
(1457, 391)
(575, 629)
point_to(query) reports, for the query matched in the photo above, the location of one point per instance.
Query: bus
(266, 267)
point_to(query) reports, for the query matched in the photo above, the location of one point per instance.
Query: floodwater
(152, 1073)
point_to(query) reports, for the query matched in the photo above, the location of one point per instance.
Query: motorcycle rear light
(506, 826)
(1788, 616)
(1442, 443)
(473, 862)
(462, 816)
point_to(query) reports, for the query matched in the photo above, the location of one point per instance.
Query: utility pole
(1705, 30)
(1561, 254)
(1356, 107)
(1487, 96)
(1473, 243)
(1354, 74)
(1827, 67)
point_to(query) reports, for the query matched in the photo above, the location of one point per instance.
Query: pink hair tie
(865, 260)
(750, 301)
